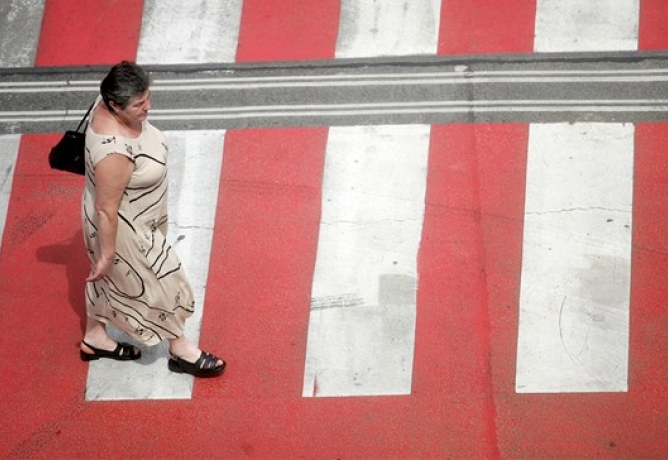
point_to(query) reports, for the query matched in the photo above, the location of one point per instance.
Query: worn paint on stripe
(363, 301)
(574, 301)
(592, 25)
(9, 146)
(481, 26)
(194, 174)
(178, 32)
(20, 23)
(372, 29)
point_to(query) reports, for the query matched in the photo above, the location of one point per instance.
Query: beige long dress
(146, 294)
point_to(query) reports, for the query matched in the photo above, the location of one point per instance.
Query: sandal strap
(125, 350)
(205, 366)
(207, 361)
(122, 352)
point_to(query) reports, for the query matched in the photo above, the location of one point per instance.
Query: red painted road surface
(463, 403)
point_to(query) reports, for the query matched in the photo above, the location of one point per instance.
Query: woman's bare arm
(112, 176)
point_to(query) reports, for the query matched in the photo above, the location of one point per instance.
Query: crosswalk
(573, 307)
(459, 290)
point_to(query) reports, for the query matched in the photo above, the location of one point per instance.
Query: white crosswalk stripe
(194, 32)
(390, 28)
(9, 146)
(590, 25)
(576, 259)
(363, 306)
(575, 286)
(20, 24)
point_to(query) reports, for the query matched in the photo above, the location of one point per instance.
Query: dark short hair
(124, 81)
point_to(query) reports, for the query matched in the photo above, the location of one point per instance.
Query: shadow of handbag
(69, 154)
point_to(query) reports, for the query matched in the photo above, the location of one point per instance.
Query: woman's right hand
(101, 269)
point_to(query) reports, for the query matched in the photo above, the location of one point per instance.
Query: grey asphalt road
(535, 88)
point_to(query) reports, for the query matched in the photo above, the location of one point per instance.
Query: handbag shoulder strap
(85, 117)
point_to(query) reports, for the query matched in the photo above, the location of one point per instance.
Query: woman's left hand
(101, 269)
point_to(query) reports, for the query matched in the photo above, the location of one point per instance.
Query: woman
(136, 281)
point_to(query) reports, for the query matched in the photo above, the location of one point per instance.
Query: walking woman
(136, 282)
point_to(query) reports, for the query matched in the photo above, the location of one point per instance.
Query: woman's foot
(207, 365)
(121, 352)
(185, 357)
(97, 344)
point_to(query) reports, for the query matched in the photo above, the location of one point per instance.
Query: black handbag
(69, 154)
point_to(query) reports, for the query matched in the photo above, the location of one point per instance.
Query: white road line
(388, 28)
(586, 25)
(380, 79)
(174, 31)
(362, 324)
(194, 175)
(556, 104)
(576, 259)
(20, 25)
(49, 89)
(470, 78)
(9, 146)
(389, 108)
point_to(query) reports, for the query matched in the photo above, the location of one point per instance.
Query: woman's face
(138, 107)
